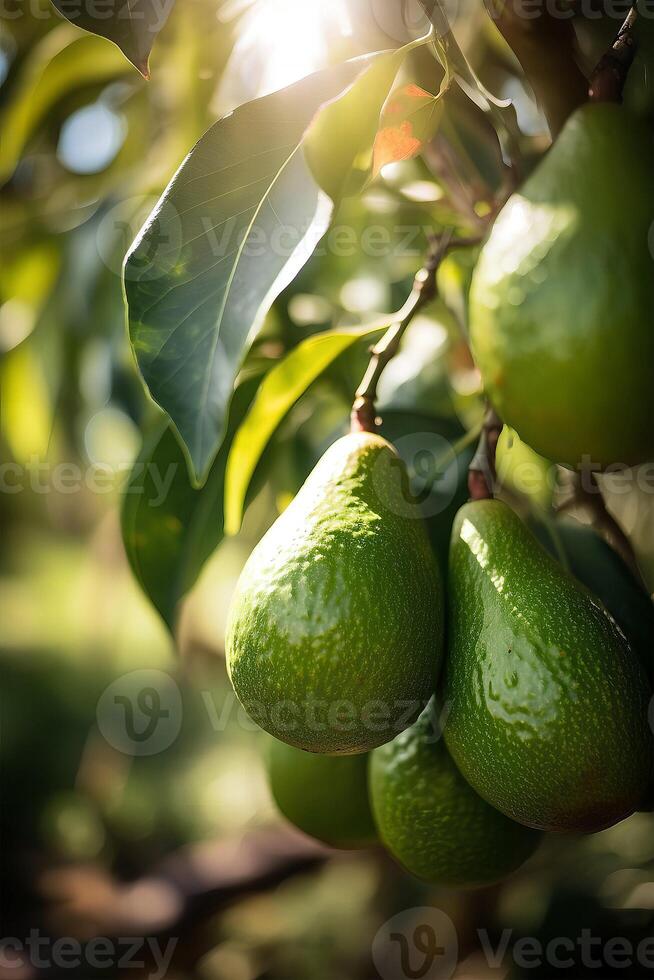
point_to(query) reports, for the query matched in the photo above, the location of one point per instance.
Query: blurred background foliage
(95, 841)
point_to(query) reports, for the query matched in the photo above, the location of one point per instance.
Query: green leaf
(170, 528)
(279, 391)
(339, 143)
(235, 225)
(131, 24)
(61, 63)
(448, 52)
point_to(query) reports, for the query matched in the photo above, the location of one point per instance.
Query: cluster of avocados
(456, 722)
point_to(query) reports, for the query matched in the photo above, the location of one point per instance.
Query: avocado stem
(481, 472)
(364, 414)
(608, 80)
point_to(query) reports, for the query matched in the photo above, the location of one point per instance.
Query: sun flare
(294, 37)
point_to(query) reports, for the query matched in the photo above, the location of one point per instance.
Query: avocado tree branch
(545, 46)
(608, 80)
(481, 472)
(364, 414)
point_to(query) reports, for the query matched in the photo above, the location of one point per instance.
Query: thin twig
(364, 414)
(608, 80)
(481, 473)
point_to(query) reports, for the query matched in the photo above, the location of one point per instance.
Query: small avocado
(334, 641)
(547, 701)
(323, 795)
(432, 821)
(562, 298)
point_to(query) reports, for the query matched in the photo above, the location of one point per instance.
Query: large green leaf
(345, 128)
(169, 527)
(236, 224)
(340, 142)
(279, 391)
(62, 62)
(130, 24)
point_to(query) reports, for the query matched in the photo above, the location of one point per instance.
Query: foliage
(367, 143)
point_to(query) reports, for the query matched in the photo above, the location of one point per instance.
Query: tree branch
(608, 79)
(545, 46)
(364, 415)
(188, 886)
(481, 473)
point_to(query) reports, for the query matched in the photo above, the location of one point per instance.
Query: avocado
(601, 569)
(562, 298)
(335, 635)
(432, 821)
(325, 796)
(547, 701)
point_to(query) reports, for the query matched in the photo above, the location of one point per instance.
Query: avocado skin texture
(562, 299)
(548, 703)
(432, 821)
(334, 642)
(325, 796)
(601, 569)
(594, 563)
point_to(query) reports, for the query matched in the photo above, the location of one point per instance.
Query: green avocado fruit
(432, 821)
(562, 299)
(325, 796)
(601, 569)
(594, 562)
(547, 701)
(335, 635)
